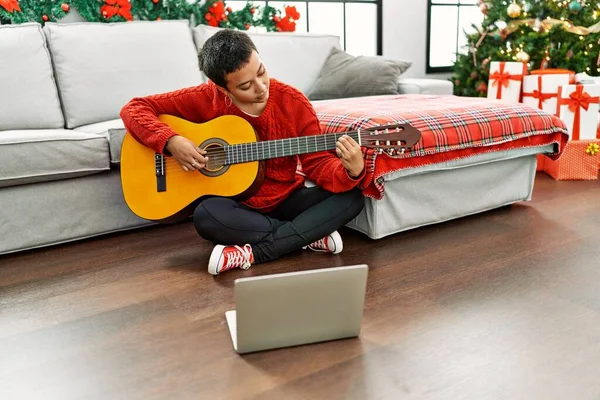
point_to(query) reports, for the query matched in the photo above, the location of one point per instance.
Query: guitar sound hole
(216, 157)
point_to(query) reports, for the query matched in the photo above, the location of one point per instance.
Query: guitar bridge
(161, 179)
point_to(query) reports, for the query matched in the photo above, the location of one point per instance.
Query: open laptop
(296, 308)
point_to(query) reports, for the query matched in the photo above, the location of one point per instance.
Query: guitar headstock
(391, 138)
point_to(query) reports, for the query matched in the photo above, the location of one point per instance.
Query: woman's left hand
(351, 155)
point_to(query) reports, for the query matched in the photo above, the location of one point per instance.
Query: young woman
(284, 215)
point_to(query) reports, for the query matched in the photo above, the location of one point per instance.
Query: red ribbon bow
(10, 5)
(501, 78)
(537, 94)
(576, 101)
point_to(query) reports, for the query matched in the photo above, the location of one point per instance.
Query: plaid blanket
(452, 128)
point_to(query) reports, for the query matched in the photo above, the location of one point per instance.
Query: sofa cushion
(425, 86)
(345, 75)
(114, 131)
(28, 95)
(293, 58)
(41, 155)
(101, 66)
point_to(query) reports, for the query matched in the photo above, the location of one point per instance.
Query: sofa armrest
(425, 86)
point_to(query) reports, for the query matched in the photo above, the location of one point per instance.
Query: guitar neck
(256, 151)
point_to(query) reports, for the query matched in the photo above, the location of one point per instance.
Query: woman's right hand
(189, 156)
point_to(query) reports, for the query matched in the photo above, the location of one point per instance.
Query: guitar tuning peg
(390, 152)
(380, 151)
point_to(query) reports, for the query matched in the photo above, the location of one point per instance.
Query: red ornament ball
(247, 26)
(252, 11)
(158, 18)
(155, 1)
(65, 7)
(45, 18)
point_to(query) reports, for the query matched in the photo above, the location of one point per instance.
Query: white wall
(405, 35)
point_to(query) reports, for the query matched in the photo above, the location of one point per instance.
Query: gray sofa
(61, 90)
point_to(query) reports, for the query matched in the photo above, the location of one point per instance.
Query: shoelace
(240, 257)
(320, 244)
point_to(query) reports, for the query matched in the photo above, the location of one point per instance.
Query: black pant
(307, 215)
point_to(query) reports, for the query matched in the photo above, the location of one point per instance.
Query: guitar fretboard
(246, 152)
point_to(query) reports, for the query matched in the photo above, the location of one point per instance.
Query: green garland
(209, 12)
(34, 10)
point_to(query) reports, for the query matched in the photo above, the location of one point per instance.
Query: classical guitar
(157, 189)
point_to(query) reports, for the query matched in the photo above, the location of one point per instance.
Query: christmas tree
(559, 34)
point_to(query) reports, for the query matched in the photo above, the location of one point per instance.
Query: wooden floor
(501, 305)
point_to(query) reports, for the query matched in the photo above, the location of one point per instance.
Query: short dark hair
(223, 53)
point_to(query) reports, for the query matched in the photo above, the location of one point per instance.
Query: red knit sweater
(288, 113)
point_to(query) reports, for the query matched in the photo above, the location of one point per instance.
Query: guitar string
(221, 156)
(221, 159)
(250, 150)
(174, 168)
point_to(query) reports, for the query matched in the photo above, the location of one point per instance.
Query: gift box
(557, 71)
(505, 80)
(578, 108)
(541, 160)
(580, 160)
(541, 90)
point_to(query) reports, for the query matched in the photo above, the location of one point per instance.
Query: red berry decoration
(155, 1)
(45, 18)
(65, 7)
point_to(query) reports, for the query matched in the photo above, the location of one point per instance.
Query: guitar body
(156, 188)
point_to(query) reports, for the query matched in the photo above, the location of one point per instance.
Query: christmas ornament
(482, 88)
(513, 10)
(155, 1)
(527, 7)
(575, 6)
(45, 18)
(484, 8)
(523, 56)
(65, 7)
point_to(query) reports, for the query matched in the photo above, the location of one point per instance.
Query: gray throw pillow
(344, 75)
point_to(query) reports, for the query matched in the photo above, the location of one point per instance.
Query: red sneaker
(224, 258)
(330, 244)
